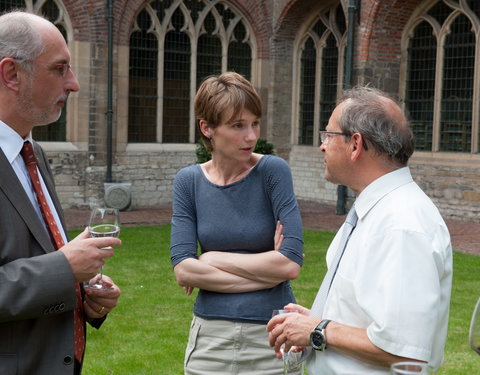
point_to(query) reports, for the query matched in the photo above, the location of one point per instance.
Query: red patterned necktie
(29, 158)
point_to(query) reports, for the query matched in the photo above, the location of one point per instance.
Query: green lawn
(147, 332)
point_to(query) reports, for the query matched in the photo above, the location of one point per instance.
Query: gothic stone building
(139, 63)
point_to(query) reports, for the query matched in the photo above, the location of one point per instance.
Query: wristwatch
(318, 338)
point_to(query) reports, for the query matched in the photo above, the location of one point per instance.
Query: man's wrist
(318, 337)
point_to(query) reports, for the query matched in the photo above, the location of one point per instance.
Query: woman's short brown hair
(220, 94)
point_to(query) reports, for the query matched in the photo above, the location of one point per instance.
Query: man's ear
(356, 143)
(9, 76)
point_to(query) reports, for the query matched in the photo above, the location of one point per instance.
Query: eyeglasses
(63, 69)
(325, 135)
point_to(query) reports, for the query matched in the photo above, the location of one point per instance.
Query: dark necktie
(31, 163)
(321, 298)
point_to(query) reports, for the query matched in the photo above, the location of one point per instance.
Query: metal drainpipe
(109, 112)
(347, 83)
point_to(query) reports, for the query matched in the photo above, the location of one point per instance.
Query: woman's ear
(205, 129)
(9, 73)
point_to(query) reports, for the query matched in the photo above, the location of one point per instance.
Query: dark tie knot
(27, 154)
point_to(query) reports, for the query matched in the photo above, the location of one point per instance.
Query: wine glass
(104, 222)
(474, 334)
(291, 360)
(411, 368)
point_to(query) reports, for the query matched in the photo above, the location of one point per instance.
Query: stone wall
(451, 182)
(150, 174)
(307, 170)
(69, 166)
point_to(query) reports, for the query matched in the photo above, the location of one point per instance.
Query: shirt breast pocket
(343, 303)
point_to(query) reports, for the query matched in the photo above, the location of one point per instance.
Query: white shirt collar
(377, 189)
(10, 141)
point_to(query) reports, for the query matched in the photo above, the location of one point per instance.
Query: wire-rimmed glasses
(326, 135)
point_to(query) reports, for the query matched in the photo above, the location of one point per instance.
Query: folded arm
(193, 273)
(270, 267)
(257, 271)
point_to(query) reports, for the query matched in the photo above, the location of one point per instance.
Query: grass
(147, 332)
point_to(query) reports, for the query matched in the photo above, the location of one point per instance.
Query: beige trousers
(228, 348)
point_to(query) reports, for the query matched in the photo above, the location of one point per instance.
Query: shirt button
(68, 360)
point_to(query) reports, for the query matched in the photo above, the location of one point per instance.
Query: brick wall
(450, 179)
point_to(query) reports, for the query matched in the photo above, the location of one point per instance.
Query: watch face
(317, 340)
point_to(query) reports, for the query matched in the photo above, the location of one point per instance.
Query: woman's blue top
(240, 217)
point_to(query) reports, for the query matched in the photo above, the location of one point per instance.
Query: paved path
(316, 216)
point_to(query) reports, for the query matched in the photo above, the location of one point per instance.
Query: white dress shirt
(11, 144)
(394, 279)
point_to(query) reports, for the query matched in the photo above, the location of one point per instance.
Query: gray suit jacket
(37, 293)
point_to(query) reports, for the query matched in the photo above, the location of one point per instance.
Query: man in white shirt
(389, 298)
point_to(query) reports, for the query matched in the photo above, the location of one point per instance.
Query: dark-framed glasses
(326, 135)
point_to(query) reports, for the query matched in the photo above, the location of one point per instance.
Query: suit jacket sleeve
(35, 280)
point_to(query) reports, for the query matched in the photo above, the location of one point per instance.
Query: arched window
(176, 94)
(442, 67)
(320, 73)
(457, 87)
(55, 12)
(239, 51)
(307, 92)
(193, 39)
(143, 80)
(209, 50)
(421, 84)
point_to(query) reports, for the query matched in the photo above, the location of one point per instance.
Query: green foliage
(263, 147)
(202, 153)
(147, 333)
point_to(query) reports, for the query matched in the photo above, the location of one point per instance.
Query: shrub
(263, 147)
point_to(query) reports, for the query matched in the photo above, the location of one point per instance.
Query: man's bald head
(21, 36)
(381, 122)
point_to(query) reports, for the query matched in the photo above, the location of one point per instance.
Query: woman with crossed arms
(240, 208)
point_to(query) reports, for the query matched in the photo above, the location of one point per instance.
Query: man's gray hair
(19, 39)
(380, 121)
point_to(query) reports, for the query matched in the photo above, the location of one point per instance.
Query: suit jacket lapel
(14, 192)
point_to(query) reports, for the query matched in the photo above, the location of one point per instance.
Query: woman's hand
(278, 237)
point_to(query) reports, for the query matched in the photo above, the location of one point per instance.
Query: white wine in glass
(474, 334)
(104, 222)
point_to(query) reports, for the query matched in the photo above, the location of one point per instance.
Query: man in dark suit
(39, 285)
